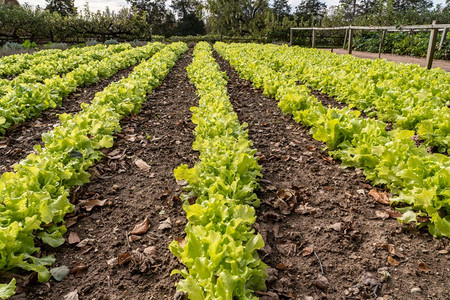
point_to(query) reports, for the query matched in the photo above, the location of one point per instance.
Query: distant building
(12, 2)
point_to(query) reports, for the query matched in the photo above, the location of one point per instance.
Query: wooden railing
(349, 30)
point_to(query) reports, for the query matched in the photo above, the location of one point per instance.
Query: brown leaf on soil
(192, 200)
(85, 242)
(394, 214)
(336, 226)
(392, 261)
(380, 197)
(423, 267)
(381, 214)
(71, 221)
(73, 238)
(141, 228)
(285, 194)
(124, 258)
(423, 219)
(281, 266)
(283, 206)
(71, 296)
(78, 268)
(166, 224)
(307, 251)
(389, 248)
(321, 282)
(86, 249)
(116, 154)
(133, 238)
(90, 204)
(151, 250)
(142, 165)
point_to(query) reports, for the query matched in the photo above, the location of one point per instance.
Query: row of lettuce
(59, 64)
(34, 198)
(420, 180)
(220, 248)
(409, 96)
(12, 65)
(26, 101)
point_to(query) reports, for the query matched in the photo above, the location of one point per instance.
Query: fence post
(383, 35)
(350, 39)
(444, 35)
(313, 42)
(431, 46)
(345, 38)
(291, 36)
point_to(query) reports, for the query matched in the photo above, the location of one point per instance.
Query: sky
(95, 5)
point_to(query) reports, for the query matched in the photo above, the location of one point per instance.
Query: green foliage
(34, 198)
(40, 87)
(415, 44)
(409, 96)
(390, 158)
(7, 290)
(111, 42)
(220, 245)
(12, 46)
(28, 45)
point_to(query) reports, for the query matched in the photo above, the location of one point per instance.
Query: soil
(326, 237)
(316, 216)
(110, 262)
(19, 139)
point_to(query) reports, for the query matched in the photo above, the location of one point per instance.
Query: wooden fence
(349, 31)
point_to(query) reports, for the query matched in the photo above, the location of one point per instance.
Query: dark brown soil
(19, 140)
(161, 136)
(316, 216)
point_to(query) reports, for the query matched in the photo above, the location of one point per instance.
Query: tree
(281, 8)
(185, 7)
(189, 22)
(156, 14)
(62, 7)
(311, 11)
(417, 5)
(236, 17)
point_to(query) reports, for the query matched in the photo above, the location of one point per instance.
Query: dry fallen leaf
(151, 250)
(389, 247)
(307, 251)
(166, 224)
(73, 238)
(133, 238)
(423, 267)
(71, 221)
(78, 268)
(380, 197)
(141, 228)
(142, 165)
(392, 261)
(124, 258)
(381, 214)
(181, 241)
(90, 204)
(394, 214)
(85, 242)
(281, 266)
(321, 282)
(71, 296)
